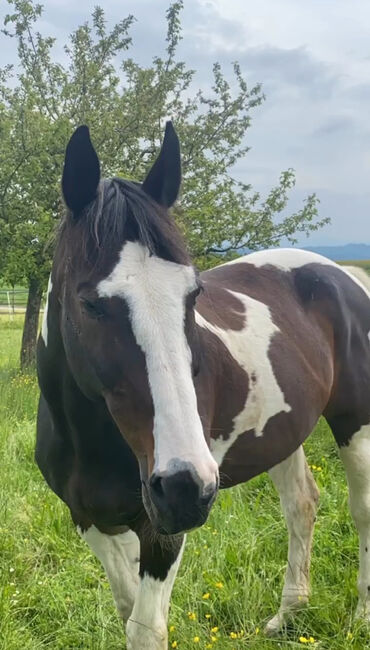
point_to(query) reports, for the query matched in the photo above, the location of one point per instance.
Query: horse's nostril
(156, 484)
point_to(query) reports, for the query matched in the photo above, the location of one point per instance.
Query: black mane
(121, 212)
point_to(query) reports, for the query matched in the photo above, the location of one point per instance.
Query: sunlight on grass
(55, 595)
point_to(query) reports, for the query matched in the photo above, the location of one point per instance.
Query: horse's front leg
(159, 562)
(119, 555)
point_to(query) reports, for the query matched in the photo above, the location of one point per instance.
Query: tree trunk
(31, 322)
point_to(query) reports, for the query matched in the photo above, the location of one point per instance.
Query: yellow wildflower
(213, 639)
(172, 628)
(206, 596)
(349, 635)
(192, 616)
(233, 635)
(196, 639)
(207, 615)
(174, 644)
(219, 585)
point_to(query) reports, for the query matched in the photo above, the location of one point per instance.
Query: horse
(161, 385)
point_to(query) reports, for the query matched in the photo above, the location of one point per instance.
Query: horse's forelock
(121, 212)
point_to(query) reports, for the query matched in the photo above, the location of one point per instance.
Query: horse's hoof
(362, 613)
(274, 625)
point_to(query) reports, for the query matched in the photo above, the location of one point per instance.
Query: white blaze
(155, 292)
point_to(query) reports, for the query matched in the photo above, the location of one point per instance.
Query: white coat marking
(44, 326)
(284, 258)
(298, 496)
(356, 459)
(155, 292)
(119, 555)
(288, 259)
(249, 347)
(147, 625)
(359, 276)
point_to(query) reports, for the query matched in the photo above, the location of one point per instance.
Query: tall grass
(54, 594)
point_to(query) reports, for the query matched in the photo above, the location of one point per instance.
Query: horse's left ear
(81, 173)
(164, 179)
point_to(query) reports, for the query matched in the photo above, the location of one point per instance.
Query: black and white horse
(156, 381)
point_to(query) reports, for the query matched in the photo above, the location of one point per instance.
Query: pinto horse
(156, 381)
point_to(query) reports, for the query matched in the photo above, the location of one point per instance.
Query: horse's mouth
(174, 523)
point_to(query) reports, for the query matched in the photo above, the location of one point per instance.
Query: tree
(125, 106)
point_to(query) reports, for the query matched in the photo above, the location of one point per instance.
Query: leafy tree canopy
(126, 106)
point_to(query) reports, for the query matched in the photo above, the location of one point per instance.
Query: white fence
(13, 301)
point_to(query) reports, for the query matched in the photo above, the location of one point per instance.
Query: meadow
(54, 593)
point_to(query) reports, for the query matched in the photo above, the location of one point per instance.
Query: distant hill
(343, 253)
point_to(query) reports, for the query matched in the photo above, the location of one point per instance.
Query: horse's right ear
(81, 173)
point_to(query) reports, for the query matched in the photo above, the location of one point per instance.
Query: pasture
(55, 595)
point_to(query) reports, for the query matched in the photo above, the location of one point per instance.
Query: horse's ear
(81, 173)
(164, 179)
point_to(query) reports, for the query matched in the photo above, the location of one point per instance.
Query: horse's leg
(159, 561)
(119, 555)
(298, 496)
(356, 459)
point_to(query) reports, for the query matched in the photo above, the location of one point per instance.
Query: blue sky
(313, 60)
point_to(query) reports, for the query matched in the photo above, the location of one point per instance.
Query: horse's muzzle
(179, 501)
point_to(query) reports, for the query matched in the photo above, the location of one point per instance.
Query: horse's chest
(104, 497)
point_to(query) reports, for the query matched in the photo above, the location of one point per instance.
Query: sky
(313, 60)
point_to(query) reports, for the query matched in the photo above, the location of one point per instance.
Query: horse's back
(318, 316)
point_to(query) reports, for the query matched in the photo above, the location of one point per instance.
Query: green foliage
(126, 106)
(54, 593)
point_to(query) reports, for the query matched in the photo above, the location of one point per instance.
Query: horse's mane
(121, 212)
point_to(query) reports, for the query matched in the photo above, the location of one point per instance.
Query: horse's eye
(92, 308)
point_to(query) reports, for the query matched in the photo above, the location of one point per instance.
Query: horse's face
(129, 330)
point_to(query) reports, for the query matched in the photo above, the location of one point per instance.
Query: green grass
(364, 264)
(54, 594)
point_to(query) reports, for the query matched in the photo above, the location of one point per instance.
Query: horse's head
(128, 293)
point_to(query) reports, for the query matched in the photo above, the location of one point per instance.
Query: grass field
(54, 594)
(364, 264)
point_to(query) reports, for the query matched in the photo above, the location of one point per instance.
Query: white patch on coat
(298, 497)
(44, 326)
(284, 258)
(250, 347)
(359, 276)
(155, 291)
(356, 459)
(147, 626)
(120, 556)
(288, 259)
